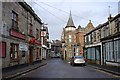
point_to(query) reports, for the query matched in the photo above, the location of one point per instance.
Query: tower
(70, 39)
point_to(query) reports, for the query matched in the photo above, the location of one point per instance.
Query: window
(93, 53)
(89, 38)
(85, 39)
(117, 25)
(118, 59)
(3, 49)
(107, 31)
(89, 53)
(111, 51)
(107, 51)
(99, 34)
(117, 50)
(14, 51)
(4, 31)
(31, 30)
(37, 33)
(94, 36)
(31, 20)
(98, 53)
(14, 20)
(70, 38)
(104, 32)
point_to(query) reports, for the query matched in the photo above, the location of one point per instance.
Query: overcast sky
(56, 13)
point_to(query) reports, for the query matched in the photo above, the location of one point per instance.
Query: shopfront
(111, 51)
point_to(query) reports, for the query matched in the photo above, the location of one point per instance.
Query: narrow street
(56, 68)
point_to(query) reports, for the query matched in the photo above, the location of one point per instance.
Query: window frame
(14, 52)
(14, 20)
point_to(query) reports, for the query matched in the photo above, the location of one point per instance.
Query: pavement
(107, 68)
(12, 72)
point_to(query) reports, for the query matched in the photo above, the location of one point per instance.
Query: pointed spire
(89, 21)
(70, 22)
(79, 27)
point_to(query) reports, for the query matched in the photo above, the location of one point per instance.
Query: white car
(78, 60)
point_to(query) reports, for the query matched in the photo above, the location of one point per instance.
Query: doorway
(30, 55)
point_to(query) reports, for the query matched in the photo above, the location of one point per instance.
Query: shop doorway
(30, 55)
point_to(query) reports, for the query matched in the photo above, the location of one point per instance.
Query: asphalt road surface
(56, 68)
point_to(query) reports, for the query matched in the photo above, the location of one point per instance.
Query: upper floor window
(117, 25)
(37, 33)
(31, 30)
(99, 34)
(94, 36)
(14, 20)
(89, 38)
(70, 38)
(104, 31)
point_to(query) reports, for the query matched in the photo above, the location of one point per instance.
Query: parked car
(78, 60)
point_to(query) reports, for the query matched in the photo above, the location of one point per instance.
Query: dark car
(78, 60)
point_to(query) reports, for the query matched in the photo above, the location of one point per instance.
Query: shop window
(111, 51)
(98, 53)
(14, 51)
(117, 50)
(118, 59)
(3, 49)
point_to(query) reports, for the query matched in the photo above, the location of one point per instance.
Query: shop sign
(23, 47)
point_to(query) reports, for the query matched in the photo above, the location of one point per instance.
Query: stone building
(102, 43)
(20, 34)
(73, 39)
